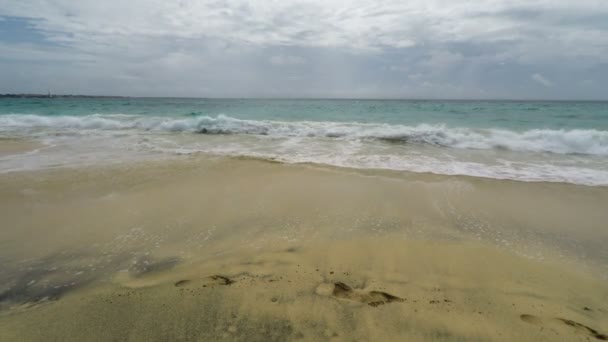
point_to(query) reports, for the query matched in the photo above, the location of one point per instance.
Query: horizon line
(41, 95)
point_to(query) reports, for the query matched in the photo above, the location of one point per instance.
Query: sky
(484, 49)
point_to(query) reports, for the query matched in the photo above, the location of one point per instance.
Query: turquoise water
(476, 114)
(528, 141)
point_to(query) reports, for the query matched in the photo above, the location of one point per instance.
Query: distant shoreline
(47, 96)
(50, 96)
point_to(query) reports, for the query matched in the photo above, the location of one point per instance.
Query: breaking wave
(574, 141)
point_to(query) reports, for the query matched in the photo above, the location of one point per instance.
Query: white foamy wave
(576, 141)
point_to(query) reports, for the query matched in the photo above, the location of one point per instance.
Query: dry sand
(239, 249)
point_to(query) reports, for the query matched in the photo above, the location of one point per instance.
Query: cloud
(287, 60)
(175, 47)
(542, 80)
(363, 24)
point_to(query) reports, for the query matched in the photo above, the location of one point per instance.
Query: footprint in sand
(561, 323)
(342, 291)
(209, 281)
(181, 283)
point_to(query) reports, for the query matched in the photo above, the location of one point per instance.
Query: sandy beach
(208, 248)
(303, 170)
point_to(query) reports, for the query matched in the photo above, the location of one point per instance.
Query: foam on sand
(572, 156)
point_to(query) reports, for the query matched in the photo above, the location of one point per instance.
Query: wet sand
(14, 146)
(240, 249)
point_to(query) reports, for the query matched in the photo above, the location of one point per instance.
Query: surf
(558, 141)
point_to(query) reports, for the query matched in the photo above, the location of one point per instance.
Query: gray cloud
(287, 60)
(314, 48)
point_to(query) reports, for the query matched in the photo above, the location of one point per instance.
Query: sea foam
(574, 141)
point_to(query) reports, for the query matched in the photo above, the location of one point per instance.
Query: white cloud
(542, 80)
(359, 24)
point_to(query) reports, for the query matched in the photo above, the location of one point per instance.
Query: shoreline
(239, 248)
(14, 146)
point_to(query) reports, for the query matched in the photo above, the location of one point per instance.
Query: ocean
(517, 140)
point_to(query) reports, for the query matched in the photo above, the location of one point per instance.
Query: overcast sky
(548, 49)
